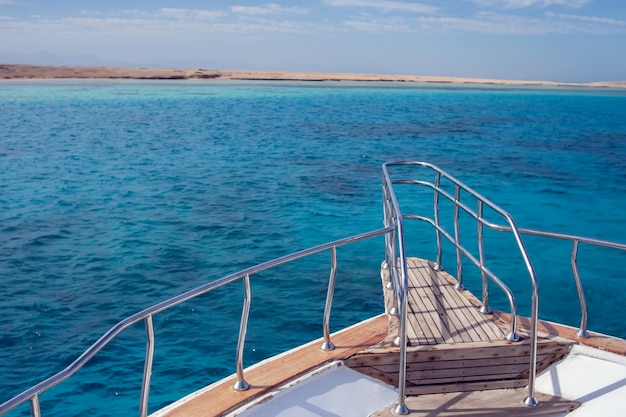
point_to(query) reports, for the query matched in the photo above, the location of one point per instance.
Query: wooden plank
(543, 364)
(390, 378)
(453, 374)
(439, 373)
(420, 316)
(419, 319)
(501, 402)
(425, 315)
(219, 398)
(596, 340)
(453, 381)
(482, 323)
(456, 304)
(480, 351)
(464, 387)
(487, 321)
(440, 312)
(455, 364)
(467, 310)
(462, 303)
(495, 369)
(457, 379)
(474, 350)
(426, 310)
(433, 297)
(459, 373)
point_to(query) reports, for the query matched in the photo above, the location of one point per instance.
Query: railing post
(386, 223)
(582, 331)
(457, 239)
(327, 344)
(395, 280)
(35, 409)
(484, 308)
(401, 408)
(241, 384)
(147, 367)
(531, 400)
(438, 266)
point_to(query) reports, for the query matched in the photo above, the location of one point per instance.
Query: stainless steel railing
(576, 241)
(395, 255)
(401, 286)
(31, 395)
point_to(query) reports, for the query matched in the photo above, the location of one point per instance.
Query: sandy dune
(12, 71)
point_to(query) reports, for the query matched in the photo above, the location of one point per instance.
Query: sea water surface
(115, 195)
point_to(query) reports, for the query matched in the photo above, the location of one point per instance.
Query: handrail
(399, 280)
(439, 173)
(32, 394)
(485, 309)
(576, 240)
(512, 335)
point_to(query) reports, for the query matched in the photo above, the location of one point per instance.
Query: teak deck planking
(500, 402)
(453, 347)
(451, 316)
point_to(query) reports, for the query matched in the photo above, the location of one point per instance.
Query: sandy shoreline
(15, 71)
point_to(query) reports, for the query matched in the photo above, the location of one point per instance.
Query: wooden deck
(453, 347)
(440, 314)
(492, 403)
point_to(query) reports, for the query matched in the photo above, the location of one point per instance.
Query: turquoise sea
(115, 195)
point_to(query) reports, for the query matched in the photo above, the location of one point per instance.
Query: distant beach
(15, 71)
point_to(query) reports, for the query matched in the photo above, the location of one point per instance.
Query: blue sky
(561, 40)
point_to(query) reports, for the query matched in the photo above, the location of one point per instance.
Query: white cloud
(271, 8)
(381, 25)
(495, 24)
(602, 20)
(518, 4)
(193, 14)
(385, 5)
(166, 23)
(179, 24)
(173, 13)
(490, 23)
